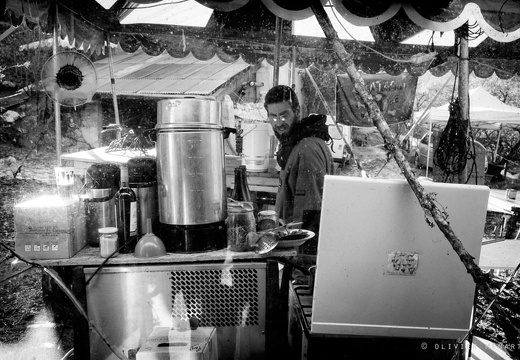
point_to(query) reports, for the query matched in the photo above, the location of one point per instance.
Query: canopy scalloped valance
(306, 54)
(245, 28)
(500, 20)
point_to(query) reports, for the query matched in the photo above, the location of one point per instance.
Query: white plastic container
(256, 146)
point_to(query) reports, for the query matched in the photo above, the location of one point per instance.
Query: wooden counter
(503, 255)
(89, 256)
(499, 203)
(258, 181)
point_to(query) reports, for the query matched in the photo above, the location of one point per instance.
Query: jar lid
(267, 212)
(107, 230)
(240, 206)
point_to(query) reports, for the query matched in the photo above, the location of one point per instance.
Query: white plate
(297, 242)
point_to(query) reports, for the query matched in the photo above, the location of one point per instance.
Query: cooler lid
(103, 176)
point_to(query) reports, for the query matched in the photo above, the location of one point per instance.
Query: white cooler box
(168, 344)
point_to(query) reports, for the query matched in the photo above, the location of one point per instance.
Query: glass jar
(240, 222)
(107, 241)
(266, 219)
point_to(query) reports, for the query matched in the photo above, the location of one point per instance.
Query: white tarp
(486, 111)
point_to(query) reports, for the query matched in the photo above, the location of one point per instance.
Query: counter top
(503, 254)
(89, 256)
(258, 181)
(499, 203)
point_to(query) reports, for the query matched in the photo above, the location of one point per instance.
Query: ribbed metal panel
(142, 74)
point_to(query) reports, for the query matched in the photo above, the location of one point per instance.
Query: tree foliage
(21, 68)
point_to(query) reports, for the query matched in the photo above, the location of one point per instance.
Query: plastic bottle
(127, 214)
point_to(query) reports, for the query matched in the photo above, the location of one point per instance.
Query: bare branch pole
(426, 200)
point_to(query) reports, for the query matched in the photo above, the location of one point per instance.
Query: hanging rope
(451, 154)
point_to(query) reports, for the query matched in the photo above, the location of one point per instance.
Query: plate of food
(294, 238)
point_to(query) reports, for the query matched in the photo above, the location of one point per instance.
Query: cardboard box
(46, 246)
(46, 214)
(169, 344)
(49, 227)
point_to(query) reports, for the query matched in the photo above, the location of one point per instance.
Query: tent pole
(495, 153)
(293, 66)
(277, 46)
(464, 85)
(428, 152)
(112, 81)
(425, 112)
(57, 109)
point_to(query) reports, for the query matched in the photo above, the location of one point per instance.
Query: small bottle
(127, 209)
(241, 189)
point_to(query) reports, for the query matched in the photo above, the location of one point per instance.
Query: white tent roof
(486, 111)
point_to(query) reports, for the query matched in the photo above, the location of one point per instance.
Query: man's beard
(286, 133)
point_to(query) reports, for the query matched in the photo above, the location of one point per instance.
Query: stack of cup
(64, 180)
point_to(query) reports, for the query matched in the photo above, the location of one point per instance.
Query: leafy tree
(21, 68)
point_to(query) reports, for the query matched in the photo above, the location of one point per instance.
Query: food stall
(123, 276)
(233, 296)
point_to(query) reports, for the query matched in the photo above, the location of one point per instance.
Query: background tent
(485, 111)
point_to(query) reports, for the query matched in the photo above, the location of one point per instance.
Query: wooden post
(463, 87)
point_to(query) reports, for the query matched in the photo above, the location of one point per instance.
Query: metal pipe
(112, 82)
(277, 46)
(293, 65)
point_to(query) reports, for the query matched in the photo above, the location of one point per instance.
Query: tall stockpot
(191, 174)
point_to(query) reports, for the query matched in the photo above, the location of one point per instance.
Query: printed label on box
(47, 246)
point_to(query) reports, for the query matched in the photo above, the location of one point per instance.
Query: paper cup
(64, 180)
